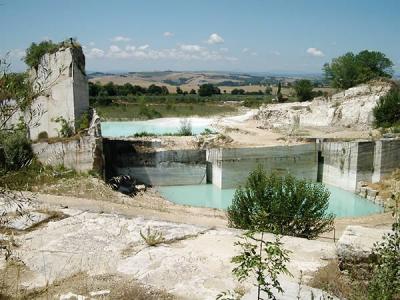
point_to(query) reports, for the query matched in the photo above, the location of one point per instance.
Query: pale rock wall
(230, 167)
(82, 154)
(352, 107)
(154, 166)
(66, 91)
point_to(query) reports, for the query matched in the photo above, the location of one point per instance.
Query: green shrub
(385, 283)
(83, 122)
(283, 205)
(152, 237)
(185, 128)
(43, 135)
(36, 51)
(387, 111)
(17, 149)
(66, 129)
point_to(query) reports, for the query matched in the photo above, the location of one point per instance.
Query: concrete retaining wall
(154, 166)
(347, 163)
(230, 167)
(83, 154)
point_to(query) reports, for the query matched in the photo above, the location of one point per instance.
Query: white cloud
(94, 53)
(215, 39)
(315, 52)
(168, 34)
(115, 49)
(181, 52)
(191, 48)
(91, 44)
(120, 38)
(223, 49)
(277, 53)
(254, 53)
(16, 53)
(144, 47)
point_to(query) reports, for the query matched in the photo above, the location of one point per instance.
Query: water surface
(155, 126)
(341, 203)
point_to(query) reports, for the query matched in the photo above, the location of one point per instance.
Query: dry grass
(330, 279)
(80, 284)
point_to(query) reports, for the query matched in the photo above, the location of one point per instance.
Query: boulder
(356, 243)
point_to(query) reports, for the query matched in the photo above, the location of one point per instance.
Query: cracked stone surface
(193, 263)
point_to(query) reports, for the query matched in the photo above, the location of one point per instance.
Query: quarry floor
(101, 237)
(245, 130)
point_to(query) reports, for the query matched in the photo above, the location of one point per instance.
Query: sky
(296, 36)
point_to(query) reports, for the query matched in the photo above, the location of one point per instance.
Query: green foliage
(147, 111)
(208, 89)
(83, 122)
(185, 128)
(351, 69)
(304, 89)
(43, 135)
(144, 134)
(207, 131)
(152, 237)
(36, 51)
(66, 129)
(16, 149)
(387, 110)
(283, 205)
(385, 283)
(261, 259)
(237, 92)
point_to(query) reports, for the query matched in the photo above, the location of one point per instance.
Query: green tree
(264, 260)
(279, 93)
(237, 92)
(179, 90)
(192, 92)
(349, 69)
(283, 205)
(208, 89)
(304, 89)
(387, 110)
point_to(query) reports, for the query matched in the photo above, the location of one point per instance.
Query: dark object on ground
(124, 184)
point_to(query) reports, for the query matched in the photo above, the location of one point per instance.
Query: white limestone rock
(352, 107)
(356, 242)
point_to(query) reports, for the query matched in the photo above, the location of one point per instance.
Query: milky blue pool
(342, 203)
(155, 126)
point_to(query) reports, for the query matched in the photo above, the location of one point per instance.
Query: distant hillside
(192, 80)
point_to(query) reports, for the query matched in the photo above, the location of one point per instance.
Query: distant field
(157, 110)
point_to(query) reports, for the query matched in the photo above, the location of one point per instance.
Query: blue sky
(226, 35)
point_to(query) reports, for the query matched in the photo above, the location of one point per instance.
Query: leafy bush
(83, 122)
(185, 128)
(387, 111)
(43, 135)
(17, 149)
(385, 283)
(36, 51)
(283, 205)
(66, 129)
(304, 89)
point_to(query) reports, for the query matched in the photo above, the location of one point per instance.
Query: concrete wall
(66, 92)
(154, 166)
(83, 154)
(346, 163)
(230, 167)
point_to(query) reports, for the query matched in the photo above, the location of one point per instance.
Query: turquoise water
(156, 126)
(341, 203)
